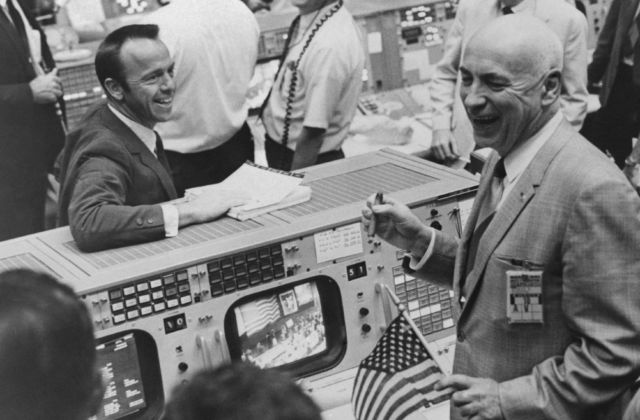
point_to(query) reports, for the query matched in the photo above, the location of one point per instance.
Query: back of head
(47, 351)
(240, 392)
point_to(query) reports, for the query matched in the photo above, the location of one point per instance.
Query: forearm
(308, 147)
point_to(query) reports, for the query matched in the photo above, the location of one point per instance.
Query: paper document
(266, 189)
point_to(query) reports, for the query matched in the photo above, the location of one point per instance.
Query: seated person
(47, 352)
(240, 391)
(114, 173)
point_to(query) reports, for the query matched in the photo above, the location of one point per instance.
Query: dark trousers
(281, 157)
(211, 166)
(612, 127)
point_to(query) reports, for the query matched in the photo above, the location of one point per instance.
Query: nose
(473, 97)
(168, 84)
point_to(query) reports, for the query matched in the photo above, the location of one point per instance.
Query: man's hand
(208, 206)
(396, 224)
(477, 398)
(443, 146)
(46, 89)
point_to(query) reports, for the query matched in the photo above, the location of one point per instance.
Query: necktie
(506, 10)
(17, 23)
(485, 215)
(162, 157)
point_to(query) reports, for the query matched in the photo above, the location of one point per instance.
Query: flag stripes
(259, 315)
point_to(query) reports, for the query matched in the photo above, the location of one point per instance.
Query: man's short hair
(108, 62)
(47, 350)
(240, 391)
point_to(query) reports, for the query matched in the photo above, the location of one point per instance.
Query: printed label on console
(338, 243)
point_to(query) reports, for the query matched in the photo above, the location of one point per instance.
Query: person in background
(452, 134)
(214, 45)
(546, 272)
(315, 93)
(616, 63)
(48, 365)
(115, 180)
(240, 391)
(31, 134)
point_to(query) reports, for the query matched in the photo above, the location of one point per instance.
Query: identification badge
(524, 297)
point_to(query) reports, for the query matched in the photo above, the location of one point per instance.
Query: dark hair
(240, 391)
(47, 350)
(107, 60)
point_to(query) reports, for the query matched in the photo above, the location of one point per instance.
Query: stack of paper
(266, 189)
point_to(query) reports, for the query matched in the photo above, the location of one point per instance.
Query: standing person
(542, 229)
(452, 136)
(214, 44)
(314, 97)
(616, 62)
(31, 134)
(115, 181)
(48, 367)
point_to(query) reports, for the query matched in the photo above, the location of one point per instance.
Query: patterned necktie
(18, 23)
(485, 214)
(506, 10)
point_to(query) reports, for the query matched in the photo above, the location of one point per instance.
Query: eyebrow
(158, 71)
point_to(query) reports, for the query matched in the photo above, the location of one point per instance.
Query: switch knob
(182, 366)
(366, 328)
(364, 311)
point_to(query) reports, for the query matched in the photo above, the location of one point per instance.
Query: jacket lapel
(514, 203)
(137, 148)
(14, 39)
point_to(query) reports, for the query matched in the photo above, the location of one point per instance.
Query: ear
(114, 88)
(552, 87)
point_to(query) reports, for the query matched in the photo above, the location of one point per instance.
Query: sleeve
(439, 266)
(99, 217)
(329, 80)
(604, 46)
(15, 98)
(443, 84)
(574, 95)
(601, 305)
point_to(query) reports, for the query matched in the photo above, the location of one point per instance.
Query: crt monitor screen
(297, 327)
(131, 374)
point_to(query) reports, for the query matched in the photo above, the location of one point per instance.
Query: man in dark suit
(616, 64)
(115, 179)
(30, 132)
(546, 272)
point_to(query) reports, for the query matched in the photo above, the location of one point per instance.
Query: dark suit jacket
(573, 215)
(30, 135)
(607, 54)
(111, 185)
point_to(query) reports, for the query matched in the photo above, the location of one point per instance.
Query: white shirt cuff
(171, 219)
(416, 264)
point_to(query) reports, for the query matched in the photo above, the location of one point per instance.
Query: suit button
(150, 221)
(139, 221)
(461, 337)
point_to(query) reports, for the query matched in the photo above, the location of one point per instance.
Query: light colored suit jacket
(565, 20)
(111, 185)
(607, 55)
(574, 215)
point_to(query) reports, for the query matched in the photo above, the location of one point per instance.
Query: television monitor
(297, 327)
(131, 372)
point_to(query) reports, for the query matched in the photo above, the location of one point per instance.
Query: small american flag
(259, 314)
(396, 380)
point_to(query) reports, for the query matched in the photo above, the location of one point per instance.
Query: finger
(461, 398)
(439, 153)
(366, 214)
(454, 148)
(456, 381)
(470, 410)
(54, 72)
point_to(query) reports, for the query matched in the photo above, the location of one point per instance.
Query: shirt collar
(519, 158)
(145, 134)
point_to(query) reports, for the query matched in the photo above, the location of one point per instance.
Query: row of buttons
(247, 269)
(147, 297)
(429, 306)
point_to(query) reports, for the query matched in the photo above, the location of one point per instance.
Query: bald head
(528, 44)
(511, 80)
